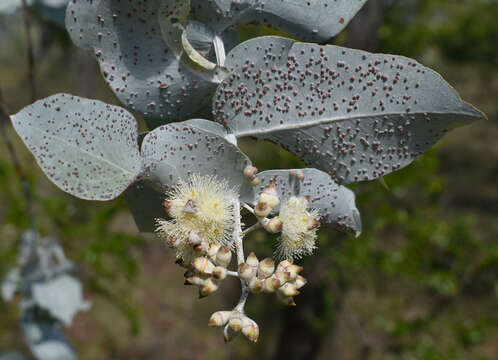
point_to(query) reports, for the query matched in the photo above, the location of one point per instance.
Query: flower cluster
(261, 276)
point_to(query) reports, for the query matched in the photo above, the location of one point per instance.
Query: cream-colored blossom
(200, 207)
(299, 228)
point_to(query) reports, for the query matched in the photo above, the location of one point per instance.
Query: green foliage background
(421, 282)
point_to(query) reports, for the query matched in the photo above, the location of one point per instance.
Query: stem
(239, 247)
(219, 49)
(29, 51)
(4, 119)
(248, 208)
(251, 229)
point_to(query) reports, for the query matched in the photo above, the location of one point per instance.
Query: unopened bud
(255, 181)
(250, 171)
(312, 223)
(213, 250)
(270, 196)
(294, 271)
(274, 225)
(286, 300)
(210, 286)
(235, 321)
(219, 318)
(300, 281)
(288, 289)
(167, 206)
(201, 248)
(172, 241)
(229, 334)
(256, 285)
(194, 239)
(271, 284)
(219, 273)
(252, 260)
(283, 277)
(262, 210)
(282, 266)
(250, 329)
(223, 256)
(246, 272)
(203, 265)
(195, 280)
(266, 268)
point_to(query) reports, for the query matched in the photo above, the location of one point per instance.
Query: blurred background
(421, 282)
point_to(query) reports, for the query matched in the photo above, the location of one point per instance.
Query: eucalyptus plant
(349, 114)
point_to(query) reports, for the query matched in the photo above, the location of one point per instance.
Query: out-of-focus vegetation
(421, 282)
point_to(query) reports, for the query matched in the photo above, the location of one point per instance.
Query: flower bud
(252, 260)
(262, 210)
(283, 277)
(271, 284)
(213, 250)
(294, 270)
(201, 248)
(223, 256)
(256, 285)
(173, 242)
(210, 286)
(246, 272)
(300, 281)
(167, 206)
(235, 321)
(194, 239)
(250, 171)
(300, 175)
(285, 300)
(219, 273)
(229, 334)
(250, 329)
(282, 266)
(270, 196)
(219, 318)
(274, 226)
(288, 289)
(195, 280)
(255, 181)
(203, 265)
(312, 223)
(266, 268)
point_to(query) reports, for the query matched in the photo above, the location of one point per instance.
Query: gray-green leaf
(353, 114)
(311, 20)
(144, 72)
(86, 147)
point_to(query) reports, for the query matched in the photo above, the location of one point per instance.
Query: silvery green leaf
(212, 127)
(62, 297)
(311, 20)
(10, 284)
(135, 59)
(335, 203)
(46, 341)
(85, 147)
(179, 150)
(355, 115)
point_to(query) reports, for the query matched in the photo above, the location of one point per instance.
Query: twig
(237, 234)
(4, 119)
(30, 52)
(251, 228)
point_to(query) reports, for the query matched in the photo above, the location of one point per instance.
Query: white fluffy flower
(298, 230)
(200, 208)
